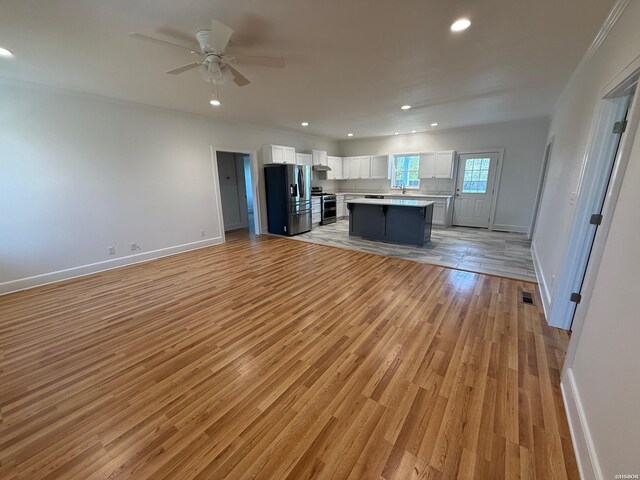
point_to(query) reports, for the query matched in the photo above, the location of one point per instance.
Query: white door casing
(475, 185)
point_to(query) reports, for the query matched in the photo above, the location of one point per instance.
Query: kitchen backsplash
(383, 186)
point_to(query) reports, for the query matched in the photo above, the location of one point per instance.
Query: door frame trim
(255, 184)
(562, 311)
(496, 182)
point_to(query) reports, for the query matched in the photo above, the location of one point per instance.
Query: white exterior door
(474, 189)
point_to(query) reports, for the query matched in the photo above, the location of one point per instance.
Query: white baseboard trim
(510, 228)
(583, 445)
(80, 271)
(543, 288)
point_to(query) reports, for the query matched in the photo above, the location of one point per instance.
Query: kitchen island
(391, 220)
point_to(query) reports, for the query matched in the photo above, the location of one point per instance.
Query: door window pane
(476, 175)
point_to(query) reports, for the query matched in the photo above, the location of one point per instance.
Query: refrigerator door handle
(301, 182)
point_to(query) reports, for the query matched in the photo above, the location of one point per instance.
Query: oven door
(329, 211)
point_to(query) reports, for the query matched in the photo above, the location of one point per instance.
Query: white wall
(602, 376)
(524, 144)
(79, 173)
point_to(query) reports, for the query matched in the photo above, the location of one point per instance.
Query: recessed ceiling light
(215, 102)
(413, 131)
(305, 124)
(349, 134)
(6, 53)
(405, 107)
(434, 124)
(460, 25)
(397, 133)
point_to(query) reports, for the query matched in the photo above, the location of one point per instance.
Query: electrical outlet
(111, 250)
(202, 233)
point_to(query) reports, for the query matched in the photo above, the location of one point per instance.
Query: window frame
(394, 156)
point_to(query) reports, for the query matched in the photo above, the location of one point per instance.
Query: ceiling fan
(214, 63)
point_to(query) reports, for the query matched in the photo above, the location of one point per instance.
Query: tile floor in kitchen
(473, 249)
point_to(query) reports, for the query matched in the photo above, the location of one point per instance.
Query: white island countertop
(397, 195)
(395, 202)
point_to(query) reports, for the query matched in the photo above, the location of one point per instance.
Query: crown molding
(615, 13)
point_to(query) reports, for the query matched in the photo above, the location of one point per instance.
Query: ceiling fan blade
(238, 78)
(219, 36)
(273, 62)
(146, 38)
(175, 71)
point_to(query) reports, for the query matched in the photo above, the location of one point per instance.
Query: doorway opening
(541, 184)
(237, 191)
(476, 186)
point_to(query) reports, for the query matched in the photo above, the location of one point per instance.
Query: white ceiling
(351, 64)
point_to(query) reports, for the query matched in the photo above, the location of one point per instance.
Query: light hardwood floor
(271, 359)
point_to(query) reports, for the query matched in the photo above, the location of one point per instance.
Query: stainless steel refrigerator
(288, 189)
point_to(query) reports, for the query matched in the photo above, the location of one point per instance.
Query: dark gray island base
(390, 220)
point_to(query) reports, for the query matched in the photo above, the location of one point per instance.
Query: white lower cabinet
(439, 210)
(341, 206)
(316, 210)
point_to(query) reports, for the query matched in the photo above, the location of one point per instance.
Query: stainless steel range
(328, 210)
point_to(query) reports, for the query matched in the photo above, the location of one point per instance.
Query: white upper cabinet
(437, 164)
(427, 165)
(319, 157)
(279, 154)
(379, 167)
(303, 159)
(364, 167)
(346, 168)
(444, 164)
(335, 163)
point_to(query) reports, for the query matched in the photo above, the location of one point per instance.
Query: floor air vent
(527, 298)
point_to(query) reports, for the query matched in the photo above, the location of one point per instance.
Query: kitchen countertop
(394, 202)
(406, 195)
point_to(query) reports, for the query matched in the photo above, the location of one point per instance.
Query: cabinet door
(319, 157)
(438, 213)
(337, 168)
(379, 167)
(427, 165)
(365, 167)
(316, 210)
(346, 167)
(290, 155)
(444, 164)
(277, 154)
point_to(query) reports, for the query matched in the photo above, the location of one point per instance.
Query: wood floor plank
(266, 358)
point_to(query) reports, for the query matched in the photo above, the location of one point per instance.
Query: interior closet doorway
(236, 191)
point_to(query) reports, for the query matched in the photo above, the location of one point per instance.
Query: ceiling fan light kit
(215, 64)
